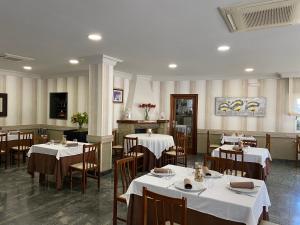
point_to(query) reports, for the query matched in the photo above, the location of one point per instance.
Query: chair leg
(18, 158)
(115, 211)
(71, 182)
(83, 182)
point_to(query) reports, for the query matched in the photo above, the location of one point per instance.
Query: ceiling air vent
(14, 58)
(265, 14)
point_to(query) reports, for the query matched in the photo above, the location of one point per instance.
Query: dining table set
(217, 199)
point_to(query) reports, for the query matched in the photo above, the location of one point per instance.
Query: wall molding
(19, 74)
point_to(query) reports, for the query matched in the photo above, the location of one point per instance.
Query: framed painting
(240, 106)
(3, 104)
(118, 95)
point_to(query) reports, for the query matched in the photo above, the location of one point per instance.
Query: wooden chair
(212, 162)
(268, 142)
(3, 149)
(163, 209)
(90, 163)
(117, 150)
(124, 170)
(179, 154)
(297, 142)
(232, 163)
(210, 146)
(131, 145)
(25, 141)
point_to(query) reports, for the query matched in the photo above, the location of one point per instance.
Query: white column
(215, 89)
(167, 88)
(61, 86)
(183, 87)
(101, 72)
(156, 99)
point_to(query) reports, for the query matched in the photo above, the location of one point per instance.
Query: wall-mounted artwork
(3, 104)
(118, 95)
(235, 106)
(58, 105)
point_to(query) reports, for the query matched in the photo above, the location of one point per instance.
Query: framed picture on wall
(3, 104)
(118, 95)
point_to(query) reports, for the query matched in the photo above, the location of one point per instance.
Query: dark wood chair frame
(25, 141)
(180, 156)
(163, 206)
(268, 142)
(124, 170)
(90, 158)
(131, 144)
(230, 162)
(3, 146)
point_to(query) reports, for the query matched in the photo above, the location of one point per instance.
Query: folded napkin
(71, 144)
(245, 185)
(187, 183)
(162, 170)
(205, 171)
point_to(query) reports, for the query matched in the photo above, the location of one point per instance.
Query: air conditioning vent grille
(265, 14)
(14, 58)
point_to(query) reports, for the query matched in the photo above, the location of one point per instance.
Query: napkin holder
(198, 173)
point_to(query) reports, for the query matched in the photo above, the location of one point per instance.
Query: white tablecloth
(251, 154)
(217, 200)
(156, 143)
(236, 139)
(58, 150)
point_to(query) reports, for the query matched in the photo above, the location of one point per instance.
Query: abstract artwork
(240, 106)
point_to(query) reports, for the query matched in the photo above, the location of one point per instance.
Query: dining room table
(214, 203)
(153, 146)
(236, 138)
(53, 159)
(257, 161)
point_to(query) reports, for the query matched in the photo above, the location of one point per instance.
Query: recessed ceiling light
(27, 67)
(249, 70)
(172, 66)
(223, 48)
(73, 61)
(95, 37)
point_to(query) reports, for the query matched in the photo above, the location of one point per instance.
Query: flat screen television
(58, 105)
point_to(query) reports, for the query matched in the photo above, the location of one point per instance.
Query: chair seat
(139, 154)
(2, 151)
(22, 148)
(173, 153)
(264, 222)
(121, 198)
(117, 147)
(214, 146)
(79, 166)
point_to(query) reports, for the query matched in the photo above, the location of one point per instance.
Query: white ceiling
(146, 34)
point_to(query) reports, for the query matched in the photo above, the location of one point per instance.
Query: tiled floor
(23, 202)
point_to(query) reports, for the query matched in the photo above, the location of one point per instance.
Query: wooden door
(183, 118)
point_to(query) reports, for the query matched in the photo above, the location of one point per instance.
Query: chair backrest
(207, 142)
(130, 144)
(124, 170)
(298, 147)
(90, 156)
(25, 140)
(164, 209)
(211, 162)
(250, 143)
(231, 160)
(3, 141)
(115, 141)
(268, 142)
(180, 143)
